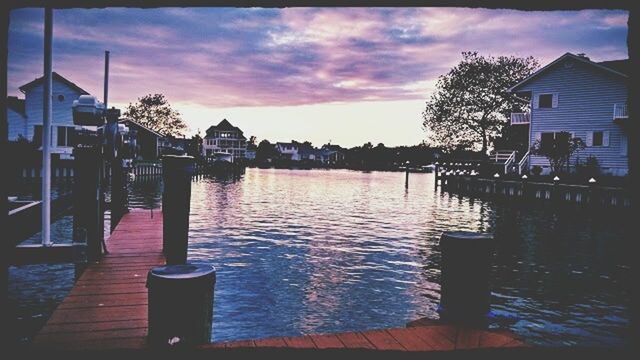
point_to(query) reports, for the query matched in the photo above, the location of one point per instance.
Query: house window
(66, 135)
(545, 101)
(598, 137)
(546, 139)
(37, 135)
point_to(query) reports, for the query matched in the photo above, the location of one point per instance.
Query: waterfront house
(224, 138)
(149, 142)
(331, 154)
(584, 98)
(289, 151)
(24, 116)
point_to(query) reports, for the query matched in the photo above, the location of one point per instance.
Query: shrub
(590, 169)
(536, 170)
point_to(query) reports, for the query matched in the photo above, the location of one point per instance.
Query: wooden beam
(38, 254)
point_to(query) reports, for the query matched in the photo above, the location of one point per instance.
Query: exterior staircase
(509, 161)
(504, 160)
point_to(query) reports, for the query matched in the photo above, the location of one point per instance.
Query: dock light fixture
(556, 178)
(592, 181)
(524, 177)
(496, 175)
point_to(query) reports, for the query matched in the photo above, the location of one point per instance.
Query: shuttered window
(545, 101)
(598, 138)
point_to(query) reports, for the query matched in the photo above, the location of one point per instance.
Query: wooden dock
(107, 309)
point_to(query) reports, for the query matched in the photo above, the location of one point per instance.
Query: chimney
(583, 55)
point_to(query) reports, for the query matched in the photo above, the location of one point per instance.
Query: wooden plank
(98, 314)
(77, 302)
(434, 338)
(300, 342)
(94, 326)
(240, 344)
(494, 339)
(327, 341)
(355, 340)
(271, 343)
(409, 340)
(70, 337)
(468, 338)
(382, 340)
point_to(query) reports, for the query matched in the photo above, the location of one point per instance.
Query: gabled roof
(288, 144)
(16, 104)
(142, 127)
(224, 125)
(56, 76)
(603, 66)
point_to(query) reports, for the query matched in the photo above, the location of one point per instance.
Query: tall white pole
(46, 128)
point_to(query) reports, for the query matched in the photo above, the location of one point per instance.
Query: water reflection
(324, 251)
(307, 251)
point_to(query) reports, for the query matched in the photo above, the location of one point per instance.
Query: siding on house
(17, 124)
(585, 99)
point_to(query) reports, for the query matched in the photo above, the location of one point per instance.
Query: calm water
(308, 251)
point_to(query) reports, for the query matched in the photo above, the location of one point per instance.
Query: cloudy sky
(318, 74)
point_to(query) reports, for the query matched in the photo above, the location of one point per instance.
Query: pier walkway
(107, 308)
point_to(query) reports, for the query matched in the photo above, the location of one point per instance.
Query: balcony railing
(620, 111)
(520, 118)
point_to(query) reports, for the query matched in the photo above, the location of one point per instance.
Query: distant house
(288, 151)
(585, 98)
(25, 115)
(250, 154)
(331, 154)
(224, 138)
(149, 142)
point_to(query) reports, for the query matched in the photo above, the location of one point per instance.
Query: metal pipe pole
(106, 78)
(46, 128)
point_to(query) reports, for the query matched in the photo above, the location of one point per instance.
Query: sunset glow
(348, 75)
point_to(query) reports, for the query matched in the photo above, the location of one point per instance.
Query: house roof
(224, 125)
(16, 105)
(142, 127)
(621, 66)
(613, 67)
(57, 77)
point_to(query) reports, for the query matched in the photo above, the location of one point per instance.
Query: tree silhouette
(153, 111)
(470, 104)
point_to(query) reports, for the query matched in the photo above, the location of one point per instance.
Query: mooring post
(465, 295)
(593, 200)
(437, 176)
(180, 310)
(406, 179)
(555, 194)
(88, 216)
(176, 198)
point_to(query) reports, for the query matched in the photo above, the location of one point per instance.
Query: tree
(265, 151)
(154, 112)
(470, 104)
(558, 150)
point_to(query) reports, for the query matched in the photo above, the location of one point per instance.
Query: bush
(590, 169)
(536, 170)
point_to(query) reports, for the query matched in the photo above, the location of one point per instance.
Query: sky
(340, 75)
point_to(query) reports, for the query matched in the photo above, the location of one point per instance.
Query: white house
(288, 150)
(224, 138)
(584, 98)
(25, 115)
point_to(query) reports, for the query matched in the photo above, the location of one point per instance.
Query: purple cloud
(254, 57)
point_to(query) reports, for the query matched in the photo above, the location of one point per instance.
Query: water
(313, 251)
